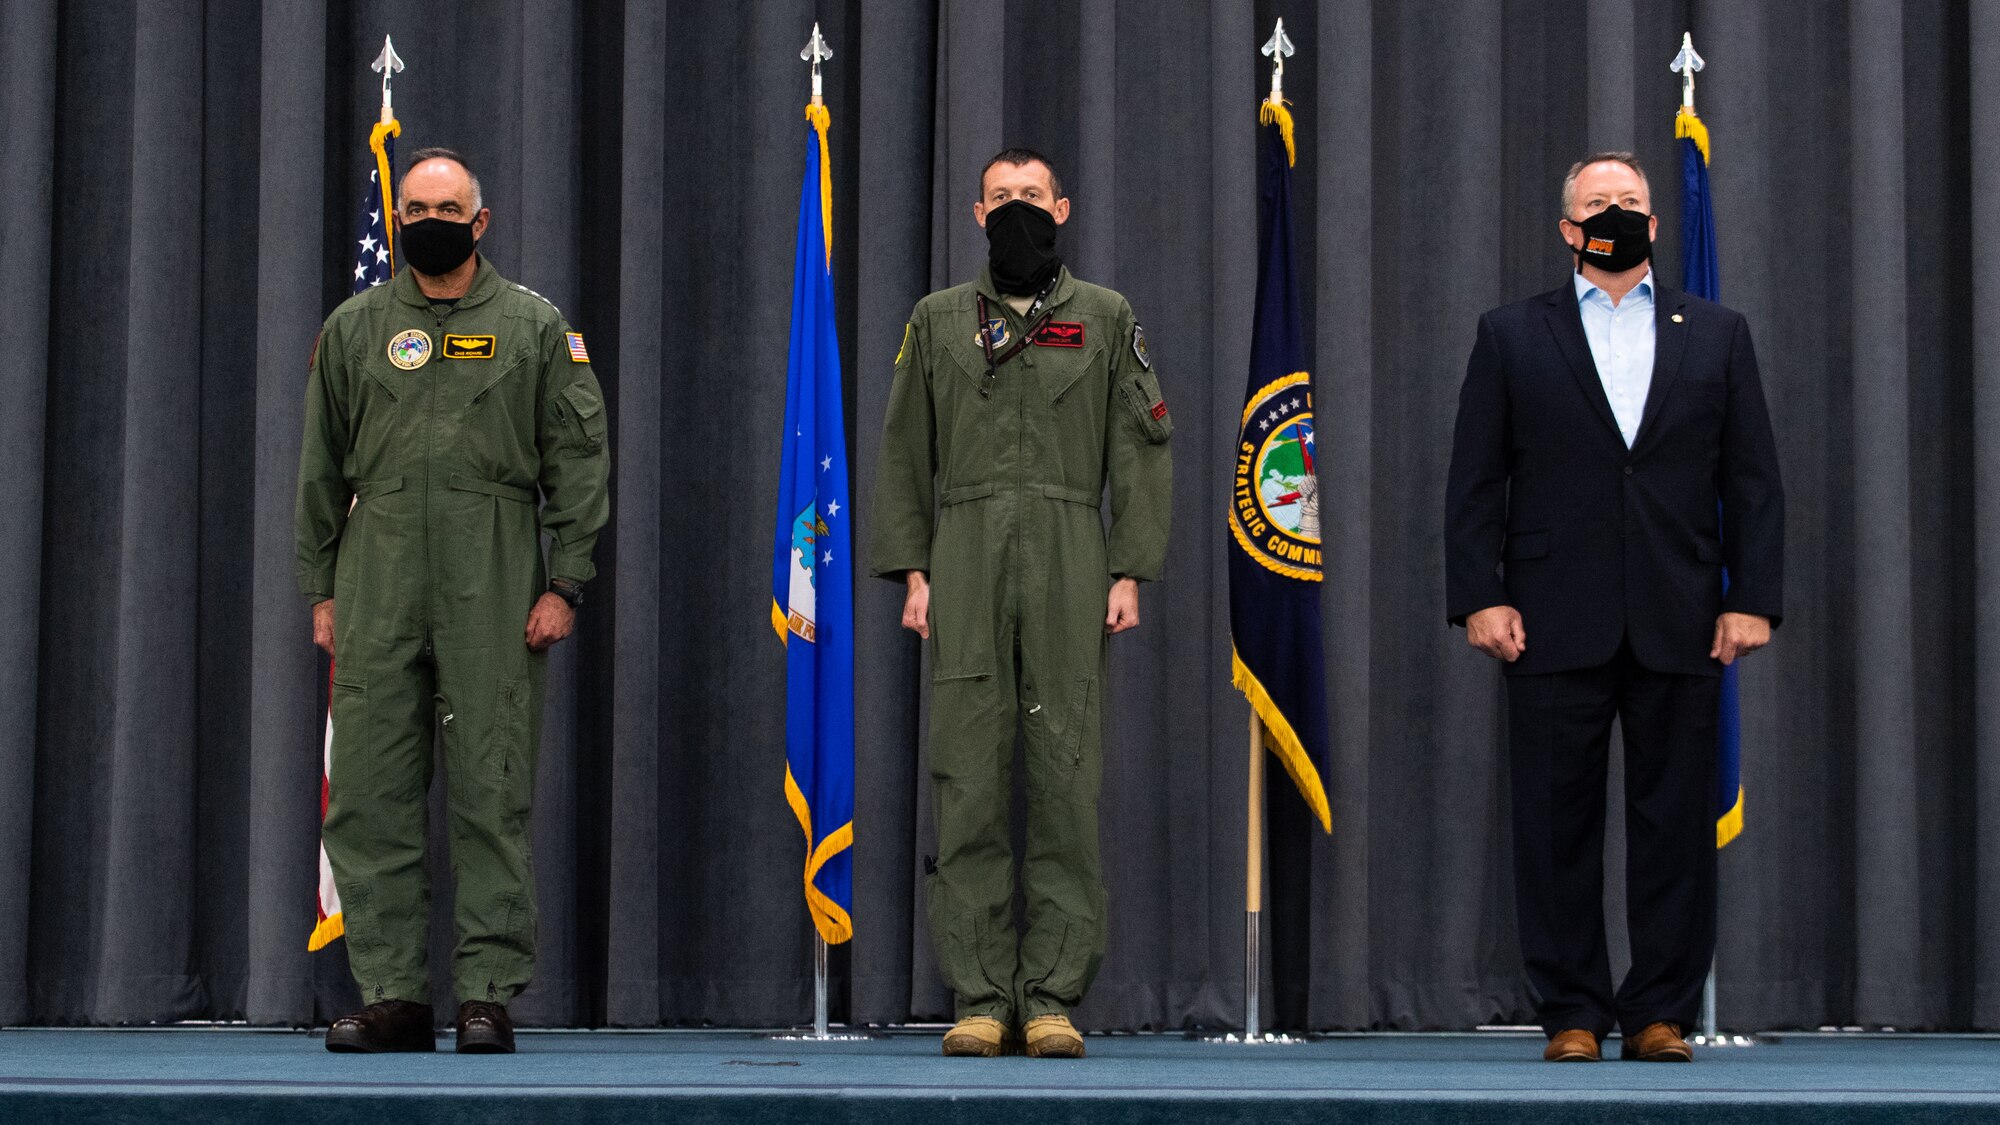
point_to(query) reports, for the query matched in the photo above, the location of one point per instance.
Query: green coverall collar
(1065, 285)
(485, 282)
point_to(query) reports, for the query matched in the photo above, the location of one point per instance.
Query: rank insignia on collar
(994, 334)
(576, 352)
(410, 349)
(471, 347)
(1139, 347)
(1060, 334)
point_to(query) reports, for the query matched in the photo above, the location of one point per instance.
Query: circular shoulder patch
(410, 349)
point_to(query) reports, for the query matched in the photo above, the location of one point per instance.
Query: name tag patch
(1060, 334)
(471, 347)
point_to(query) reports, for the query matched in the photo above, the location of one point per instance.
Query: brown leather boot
(386, 1025)
(484, 1028)
(1658, 1042)
(1574, 1045)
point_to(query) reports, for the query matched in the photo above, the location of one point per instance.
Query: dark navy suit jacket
(1546, 510)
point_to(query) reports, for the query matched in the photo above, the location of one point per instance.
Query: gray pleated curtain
(177, 188)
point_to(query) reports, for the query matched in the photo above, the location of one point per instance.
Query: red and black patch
(1059, 334)
(1159, 410)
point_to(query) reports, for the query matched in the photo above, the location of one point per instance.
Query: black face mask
(435, 247)
(1614, 239)
(1021, 248)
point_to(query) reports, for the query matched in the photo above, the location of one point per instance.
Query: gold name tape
(471, 347)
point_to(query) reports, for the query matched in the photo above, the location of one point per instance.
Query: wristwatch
(567, 591)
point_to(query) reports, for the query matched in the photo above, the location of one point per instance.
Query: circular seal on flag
(410, 349)
(996, 330)
(1274, 502)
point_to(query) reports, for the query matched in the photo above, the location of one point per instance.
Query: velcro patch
(471, 347)
(1060, 334)
(576, 352)
(1159, 410)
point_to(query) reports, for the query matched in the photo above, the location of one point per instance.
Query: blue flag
(812, 568)
(1701, 277)
(1277, 658)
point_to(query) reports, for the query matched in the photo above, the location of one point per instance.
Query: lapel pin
(1677, 318)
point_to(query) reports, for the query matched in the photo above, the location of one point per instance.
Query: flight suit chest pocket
(582, 414)
(1142, 398)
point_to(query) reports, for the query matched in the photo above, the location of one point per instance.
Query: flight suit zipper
(430, 456)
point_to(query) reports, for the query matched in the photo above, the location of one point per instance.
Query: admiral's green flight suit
(997, 497)
(433, 573)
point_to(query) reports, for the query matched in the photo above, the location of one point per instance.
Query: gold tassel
(821, 122)
(1688, 124)
(1270, 112)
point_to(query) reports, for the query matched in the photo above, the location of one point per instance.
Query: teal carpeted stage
(50, 1077)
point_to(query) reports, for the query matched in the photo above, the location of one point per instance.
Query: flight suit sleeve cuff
(571, 567)
(316, 584)
(896, 566)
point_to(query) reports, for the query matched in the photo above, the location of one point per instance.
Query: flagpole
(1253, 887)
(816, 52)
(819, 986)
(1685, 64)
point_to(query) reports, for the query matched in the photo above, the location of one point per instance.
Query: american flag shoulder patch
(576, 352)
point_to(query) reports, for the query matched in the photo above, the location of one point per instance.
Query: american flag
(373, 265)
(372, 261)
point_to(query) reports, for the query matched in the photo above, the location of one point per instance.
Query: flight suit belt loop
(492, 488)
(963, 493)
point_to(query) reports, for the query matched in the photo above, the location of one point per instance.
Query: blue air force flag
(1701, 276)
(1277, 659)
(812, 588)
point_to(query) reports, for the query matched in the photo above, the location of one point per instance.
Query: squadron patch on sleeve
(1139, 347)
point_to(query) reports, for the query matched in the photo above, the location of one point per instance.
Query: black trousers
(1559, 729)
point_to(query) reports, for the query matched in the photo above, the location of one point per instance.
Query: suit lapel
(1566, 323)
(1669, 342)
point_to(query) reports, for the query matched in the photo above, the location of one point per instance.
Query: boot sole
(969, 1047)
(1069, 1050)
(348, 1044)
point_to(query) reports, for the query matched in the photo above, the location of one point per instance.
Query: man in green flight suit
(1017, 399)
(439, 403)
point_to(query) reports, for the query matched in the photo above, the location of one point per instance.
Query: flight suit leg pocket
(514, 771)
(348, 709)
(1056, 732)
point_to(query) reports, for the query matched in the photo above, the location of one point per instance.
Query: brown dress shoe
(1052, 1037)
(1574, 1045)
(1658, 1042)
(386, 1025)
(484, 1028)
(975, 1037)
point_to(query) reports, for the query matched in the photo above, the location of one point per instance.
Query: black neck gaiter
(1021, 248)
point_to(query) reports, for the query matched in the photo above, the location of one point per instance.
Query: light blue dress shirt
(1621, 344)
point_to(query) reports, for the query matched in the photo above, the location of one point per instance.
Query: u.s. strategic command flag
(812, 589)
(1700, 276)
(1274, 515)
(374, 263)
